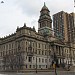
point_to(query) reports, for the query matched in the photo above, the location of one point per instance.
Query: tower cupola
(44, 8)
(45, 21)
(44, 11)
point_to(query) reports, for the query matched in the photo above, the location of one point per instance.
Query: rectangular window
(29, 43)
(6, 47)
(45, 52)
(1, 53)
(45, 46)
(33, 66)
(26, 66)
(42, 60)
(30, 59)
(46, 66)
(33, 50)
(12, 45)
(39, 51)
(30, 66)
(33, 44)
(36, 44)
(39, 45)
(46, 60)
(26, 43)
(26, 49)
(39, 66)
(26, 57)
(39, 60)
(9, 46)
(36, 51)
(42, 52)
(12, 52)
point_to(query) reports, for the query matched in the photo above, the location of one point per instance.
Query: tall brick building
(64, 28)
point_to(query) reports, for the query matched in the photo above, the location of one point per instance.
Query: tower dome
(44, 8)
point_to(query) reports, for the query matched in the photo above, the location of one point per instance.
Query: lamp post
(36, 64)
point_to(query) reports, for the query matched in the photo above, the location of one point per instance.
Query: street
(42, 73)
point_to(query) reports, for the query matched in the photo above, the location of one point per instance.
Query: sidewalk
(38, 70)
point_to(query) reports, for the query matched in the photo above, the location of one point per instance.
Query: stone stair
(72, 68)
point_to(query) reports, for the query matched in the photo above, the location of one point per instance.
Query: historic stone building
(28, 49)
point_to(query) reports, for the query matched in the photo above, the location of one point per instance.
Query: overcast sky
(15, 13)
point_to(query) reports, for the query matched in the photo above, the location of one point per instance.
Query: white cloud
(31, 8)
(14, 13)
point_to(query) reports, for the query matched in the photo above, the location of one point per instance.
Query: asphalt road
(42, 73)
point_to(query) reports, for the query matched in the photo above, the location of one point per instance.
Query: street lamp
(36, 64)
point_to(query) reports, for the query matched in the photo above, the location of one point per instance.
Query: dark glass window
(30, 59)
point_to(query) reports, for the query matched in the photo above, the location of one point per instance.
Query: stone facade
(21, 50)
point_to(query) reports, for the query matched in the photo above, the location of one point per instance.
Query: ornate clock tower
(45, 22)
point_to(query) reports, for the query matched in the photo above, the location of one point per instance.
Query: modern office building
(64, 28)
